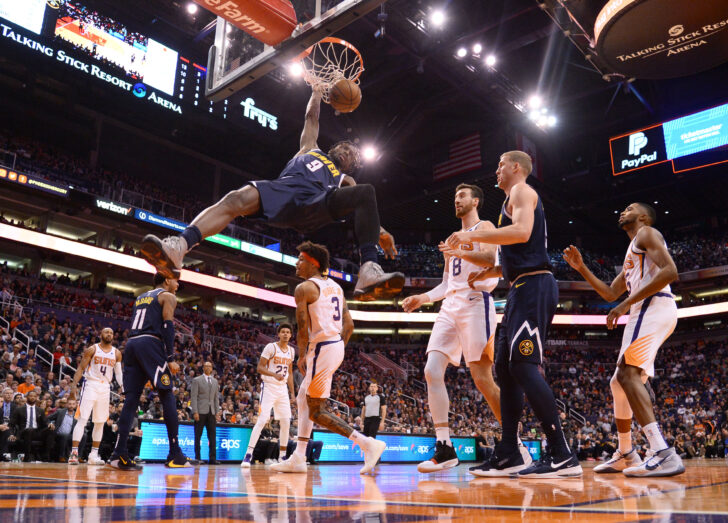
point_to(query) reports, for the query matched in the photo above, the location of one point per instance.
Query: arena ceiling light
(477, 48)
(369, 153)
(295, 69)
(535, 101)
(437, 18)
(191, 8)
(461, 53)
(490, 60)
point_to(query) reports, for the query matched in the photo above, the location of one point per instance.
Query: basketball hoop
(330, 60)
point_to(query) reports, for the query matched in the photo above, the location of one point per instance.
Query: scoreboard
(86, 40)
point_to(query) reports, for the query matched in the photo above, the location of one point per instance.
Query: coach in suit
(29, 424)
(205, 405)
(64, 421)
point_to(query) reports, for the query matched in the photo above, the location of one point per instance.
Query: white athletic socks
(358, 438)
(443, 434)
(654, 436)
(625, 441)
(301, 448)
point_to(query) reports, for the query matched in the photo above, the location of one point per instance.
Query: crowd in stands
(690, 252)
(689, 385)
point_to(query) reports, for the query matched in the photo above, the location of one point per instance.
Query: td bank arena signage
(662, 38)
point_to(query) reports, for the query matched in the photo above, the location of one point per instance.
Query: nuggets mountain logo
(165, 380)
(526, 347)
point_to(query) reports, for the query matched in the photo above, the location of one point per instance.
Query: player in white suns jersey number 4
(646, 276)
(101, 362)
(324, 328)
(464, 328)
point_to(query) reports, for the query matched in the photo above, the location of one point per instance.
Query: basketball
(345, 96)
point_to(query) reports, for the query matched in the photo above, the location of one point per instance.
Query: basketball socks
(192, 236)
(542, 401)
(301, 447)
(358, 438)
(625, 442)
(654, 436)
(255, 434)
(443, 434)
(169, 410)
(368, 253)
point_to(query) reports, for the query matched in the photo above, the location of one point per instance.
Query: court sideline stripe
(415, 503)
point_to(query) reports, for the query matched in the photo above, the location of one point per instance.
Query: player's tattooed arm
(347, 325)
(306, 292)
(319, 414)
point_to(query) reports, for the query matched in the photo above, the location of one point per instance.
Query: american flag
(465, 155)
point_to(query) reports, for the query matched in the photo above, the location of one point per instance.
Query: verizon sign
(114, 207)
(270, 21)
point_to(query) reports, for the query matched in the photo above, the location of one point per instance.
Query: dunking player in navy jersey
(149, 357)
(530, 307)
(314, 189)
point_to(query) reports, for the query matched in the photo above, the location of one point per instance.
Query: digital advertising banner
(232, 441)
(400, 448)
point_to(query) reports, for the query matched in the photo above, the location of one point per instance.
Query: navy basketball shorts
(294, 203)
(145, 361)
(530, 308)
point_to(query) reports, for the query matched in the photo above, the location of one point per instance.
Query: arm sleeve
(382, 401)
(168, 338)
(440, 291)
(118, 375)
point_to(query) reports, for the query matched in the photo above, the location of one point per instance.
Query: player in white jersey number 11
(99, 364)
(464, 328)
(324, 328)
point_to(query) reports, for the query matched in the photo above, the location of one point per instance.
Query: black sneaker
(179, 461)
(548, 467)
(444, 458)
(498, 466)
(124, 463)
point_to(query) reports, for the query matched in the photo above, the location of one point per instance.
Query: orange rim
(334, 40)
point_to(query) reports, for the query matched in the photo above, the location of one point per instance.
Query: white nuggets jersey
(279, 362)
(326, 312)
(101, 367)
(639, 270)
(459, 270)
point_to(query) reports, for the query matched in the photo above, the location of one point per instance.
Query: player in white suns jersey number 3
(100, 363)
(324, 327)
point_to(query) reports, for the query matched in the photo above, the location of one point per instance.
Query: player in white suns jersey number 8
(646, 276)
(100, 363)
(464, 328)
(324, 328)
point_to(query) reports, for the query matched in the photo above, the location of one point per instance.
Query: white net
(329, 61)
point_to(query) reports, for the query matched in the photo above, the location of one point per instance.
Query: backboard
(238, 59)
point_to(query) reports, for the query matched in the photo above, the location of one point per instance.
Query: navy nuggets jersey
(316, 167)
(146, 318)
(525, 257)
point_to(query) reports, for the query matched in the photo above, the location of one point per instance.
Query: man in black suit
(6, 409)
(64, 421)
(29, 424)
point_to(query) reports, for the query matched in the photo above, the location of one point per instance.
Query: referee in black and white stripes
(374, 412)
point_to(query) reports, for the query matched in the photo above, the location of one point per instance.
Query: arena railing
(340, 405)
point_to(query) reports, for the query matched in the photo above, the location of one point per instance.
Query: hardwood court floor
(49, 493)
